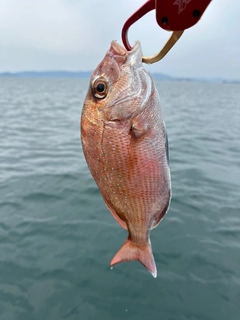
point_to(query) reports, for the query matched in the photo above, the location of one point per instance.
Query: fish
(125, 144)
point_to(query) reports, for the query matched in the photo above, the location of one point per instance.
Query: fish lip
(136, 47)
(121, 48)
(134, 56)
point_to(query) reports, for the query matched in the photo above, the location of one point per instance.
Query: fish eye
(100, 88)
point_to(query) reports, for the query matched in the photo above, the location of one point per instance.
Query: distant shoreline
(87, 74)
(47, 74)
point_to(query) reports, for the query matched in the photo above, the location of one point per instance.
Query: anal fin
(113, 212)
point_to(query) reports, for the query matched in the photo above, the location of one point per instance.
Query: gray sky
(75, 35)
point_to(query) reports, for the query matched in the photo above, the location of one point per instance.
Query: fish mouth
(136, 48)
(134, 56)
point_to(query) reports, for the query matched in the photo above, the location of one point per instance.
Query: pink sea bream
(124, 141)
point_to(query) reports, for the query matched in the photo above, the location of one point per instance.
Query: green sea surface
(57, 238)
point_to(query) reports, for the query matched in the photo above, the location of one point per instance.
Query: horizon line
(163, 76)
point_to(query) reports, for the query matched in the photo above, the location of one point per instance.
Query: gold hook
(168, 45)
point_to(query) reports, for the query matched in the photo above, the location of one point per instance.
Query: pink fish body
(125, 145)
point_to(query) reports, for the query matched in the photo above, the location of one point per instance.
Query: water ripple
(57, 238)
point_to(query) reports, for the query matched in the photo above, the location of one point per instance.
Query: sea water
(57, 237)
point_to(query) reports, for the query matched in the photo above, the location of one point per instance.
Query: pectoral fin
(139, 127)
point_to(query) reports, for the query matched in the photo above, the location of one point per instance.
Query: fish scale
(124, 143)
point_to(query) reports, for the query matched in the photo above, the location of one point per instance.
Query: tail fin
(133, 251)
